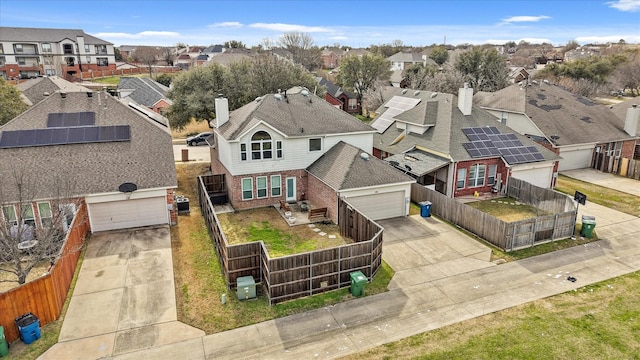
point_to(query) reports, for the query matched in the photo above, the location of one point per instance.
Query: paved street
(199, 153)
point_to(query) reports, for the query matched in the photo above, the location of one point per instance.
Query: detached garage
(115, 211)
(372, 186)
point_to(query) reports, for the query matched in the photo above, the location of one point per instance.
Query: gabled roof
(213, 49)
(444, 136)
(17, 34)
(572, 118)
(412, 57)
(229, 57)
(295, 115)
(346, 167)
(620, 109)
(146, 159)
(35, 89)
(145, 91)
(332, 49)
(335, 90)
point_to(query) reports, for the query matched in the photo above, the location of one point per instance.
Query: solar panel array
(489, 141)
(64, 135)
(396, 105)
(71, 119)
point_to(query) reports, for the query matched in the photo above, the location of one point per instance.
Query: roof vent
(90, 94)
(258, 99)
(534, 82)
(277, 97)
(46, 93)
(545, 81)
(416, 93)
(404, 91)
(63, 94)
(364, 156)
(434, 95)
(304, 92)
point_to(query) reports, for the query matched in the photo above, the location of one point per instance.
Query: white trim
(116, 196)
(293, 187)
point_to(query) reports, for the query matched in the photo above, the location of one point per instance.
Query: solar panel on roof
(488, 141)
(64, 135)
(85, 118)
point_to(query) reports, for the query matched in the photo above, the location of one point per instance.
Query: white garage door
(128, 213)
(380, 206)
(539, 177)
(575, 159)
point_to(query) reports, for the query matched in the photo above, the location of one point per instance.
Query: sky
(355, 23)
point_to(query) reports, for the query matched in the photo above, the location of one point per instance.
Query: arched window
(261, 146)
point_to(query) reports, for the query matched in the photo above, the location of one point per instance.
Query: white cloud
(140, 35)
(290, 27)
(625, 5)
(227, 24)
(517, 19)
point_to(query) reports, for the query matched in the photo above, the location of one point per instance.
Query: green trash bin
(357, 283)
(588, 224)
(4, 346)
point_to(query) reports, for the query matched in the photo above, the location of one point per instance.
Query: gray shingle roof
(621, 109)
(445, 138)
(35, 89)
(299, 116)
(335, 90)
(146, 91)
(146, 160)
(343, 168)
(16, 34)
(556, 111)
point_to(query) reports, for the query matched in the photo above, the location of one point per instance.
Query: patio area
(298, 213)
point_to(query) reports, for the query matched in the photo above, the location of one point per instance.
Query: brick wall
(171, 204)
(481, 189)
(234, 188)
(323, 196)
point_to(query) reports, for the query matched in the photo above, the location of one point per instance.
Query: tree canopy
(11, 105)
(147, 55)
(359, 74)
(484, 69)
(194, 91)
(439, 54)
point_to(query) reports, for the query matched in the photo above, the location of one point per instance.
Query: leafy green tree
(164, 79)
(416, 75)
(238, 84)
(117, 54)
(234, 44)
(11, 105)
(439, 54)
(484, 69)
(359, 74)
(194, 94)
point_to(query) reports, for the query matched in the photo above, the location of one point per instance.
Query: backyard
(506, 209)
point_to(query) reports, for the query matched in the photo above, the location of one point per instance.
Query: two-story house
(339, 97)
(295, 146)
(146, 92)
(452, 147)
(31, 52)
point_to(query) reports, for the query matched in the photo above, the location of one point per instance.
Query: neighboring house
(331, 57)
(629, 112)
(201, 59)
(230, 57)
(127, 50)
(340, 98)
(214, 50)
(35, 90)
(183, 61)
(450, 146)
(295, 146)
(145, 91)
(402, 60)
(31, 52)
(584, 134)
(517, 74)
(115, 159)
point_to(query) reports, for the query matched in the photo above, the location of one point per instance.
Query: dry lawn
(8, 281)
(506, 209)
(280, 239)
(193, 128)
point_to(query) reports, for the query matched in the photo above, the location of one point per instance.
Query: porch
(301, 212)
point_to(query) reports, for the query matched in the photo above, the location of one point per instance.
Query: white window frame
(28, 215)
(261, 149)
(262, 187)
(45, 221)
(19, 48)
(475, 179)
(276, 185)
(491, 174)
(245, 189)
(86, 49)
(279, 151)
(314, 149)
(46, 47)
(102, 61)
(6, 217)
(462, 178)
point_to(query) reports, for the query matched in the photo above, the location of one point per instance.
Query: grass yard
(279, 238)
(200, 283)
(506, 209)
(610, 198)
(600, 321)
(192, 128)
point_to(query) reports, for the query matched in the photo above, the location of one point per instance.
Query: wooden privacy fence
(507, 235)
(45, 296)
(304, 274)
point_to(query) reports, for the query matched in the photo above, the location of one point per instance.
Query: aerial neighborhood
(191, 187)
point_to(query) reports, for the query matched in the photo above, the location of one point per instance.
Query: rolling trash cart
(28, 327)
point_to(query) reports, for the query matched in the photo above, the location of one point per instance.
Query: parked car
(198, 139)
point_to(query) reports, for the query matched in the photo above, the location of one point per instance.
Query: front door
(291, 189)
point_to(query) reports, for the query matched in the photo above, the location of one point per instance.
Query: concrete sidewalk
(620, 183)
(361, 324)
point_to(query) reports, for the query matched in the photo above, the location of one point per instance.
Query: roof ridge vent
(277, 97)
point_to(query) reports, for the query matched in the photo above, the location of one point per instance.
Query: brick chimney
(222, 111)
(632, 119)
(465, 99)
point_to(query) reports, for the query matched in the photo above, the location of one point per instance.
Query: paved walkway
(426, 294)
(630, 186)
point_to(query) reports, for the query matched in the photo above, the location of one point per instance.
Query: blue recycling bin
(425, 208)
(28, 327)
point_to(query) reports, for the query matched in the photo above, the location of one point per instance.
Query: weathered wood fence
(508, 236)
(45, 296)
(299, 275)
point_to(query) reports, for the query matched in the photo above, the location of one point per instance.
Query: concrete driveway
(421, 250)
(124, 298)
(620, 183)
(200, 153)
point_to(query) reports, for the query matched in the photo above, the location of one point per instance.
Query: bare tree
(168, 55)
(147, 55)
(303, 49)
(26, 242)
